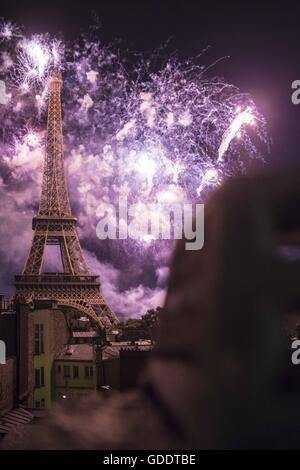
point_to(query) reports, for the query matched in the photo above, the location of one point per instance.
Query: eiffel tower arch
(75, 287)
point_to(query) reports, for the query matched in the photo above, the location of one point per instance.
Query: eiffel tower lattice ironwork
(54, 224)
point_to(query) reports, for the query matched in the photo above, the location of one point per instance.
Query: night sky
(263, 42)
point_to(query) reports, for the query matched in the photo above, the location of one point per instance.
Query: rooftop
(76, 352)
(110, 352)
(84, 352)
(85, 334)
(113, 350)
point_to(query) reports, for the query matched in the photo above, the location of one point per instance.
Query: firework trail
(234, 129)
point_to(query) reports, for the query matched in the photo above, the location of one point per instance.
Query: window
(58, 369)
(38, 338)
(40, 403)
(67, 372)
(89, 371)
(39, 377)
(75, 372)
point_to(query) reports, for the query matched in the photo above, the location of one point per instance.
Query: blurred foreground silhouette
(221, 375)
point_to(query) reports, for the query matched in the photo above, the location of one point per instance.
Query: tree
(150, 321)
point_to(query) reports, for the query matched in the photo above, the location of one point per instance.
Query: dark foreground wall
(8, 334)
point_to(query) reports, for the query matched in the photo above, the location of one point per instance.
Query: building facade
(75, 371)
(44, 332)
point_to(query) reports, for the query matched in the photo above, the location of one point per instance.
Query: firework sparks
(4, 96)
(32, 139)
(146, 166)
(165, 130)
(210, 177)
(35, 58)
(8, 31)
(168, 131)
(242, 118)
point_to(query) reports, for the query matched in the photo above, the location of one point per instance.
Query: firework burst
(161, 126)
(8, 31)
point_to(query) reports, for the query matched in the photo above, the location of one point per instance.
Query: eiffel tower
(76, 287)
